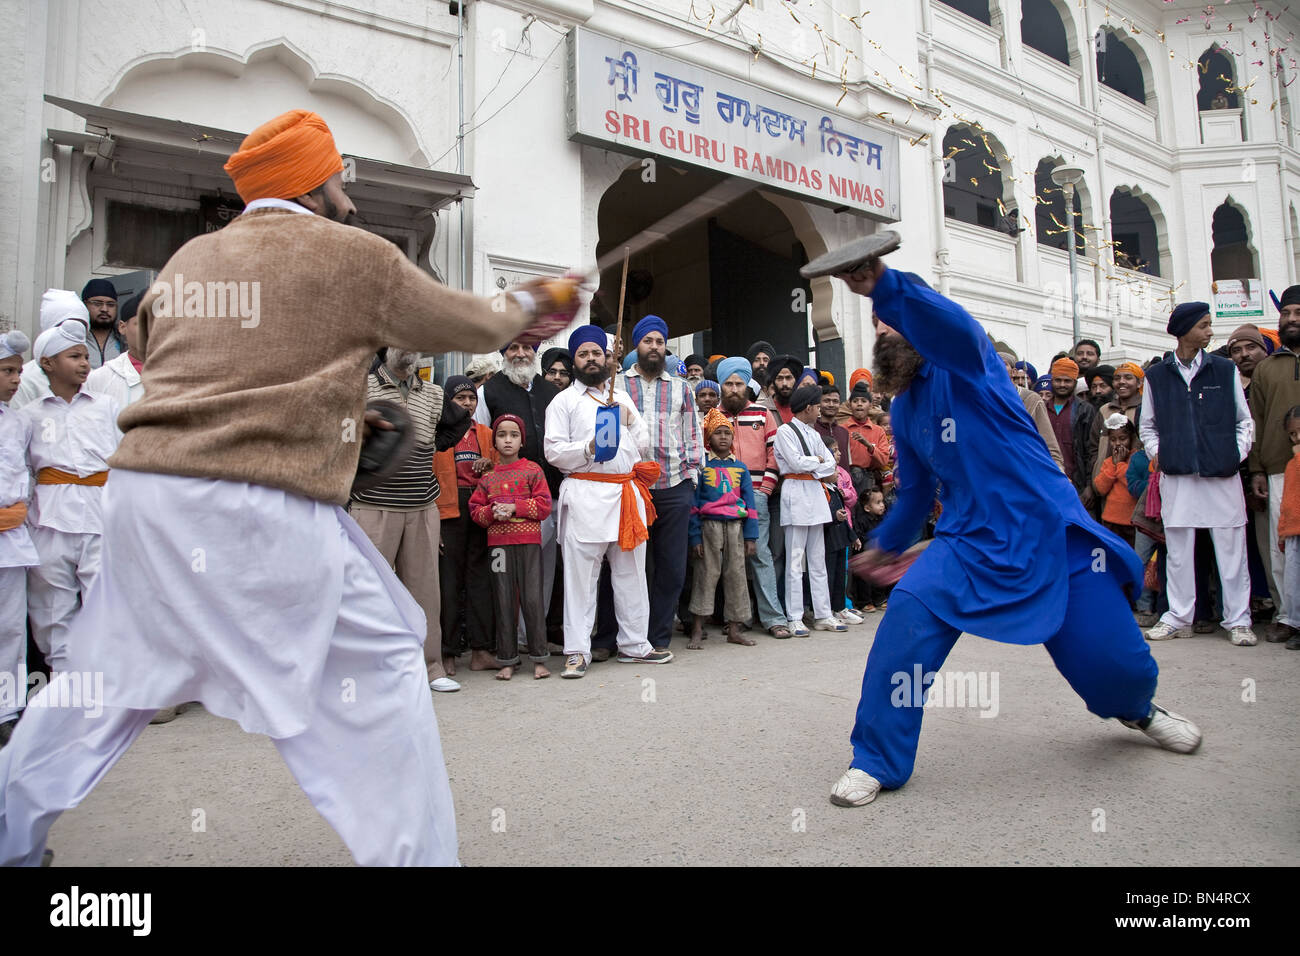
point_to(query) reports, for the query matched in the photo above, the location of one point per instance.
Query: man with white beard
(519, 389)
(400, 515)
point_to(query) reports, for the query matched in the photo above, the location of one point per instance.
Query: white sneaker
(444, 685)
(1166, 632)
(848, 616)
(856, 788)
(828, 624)
(1169, 730)
(798, 629)
(1242, 637)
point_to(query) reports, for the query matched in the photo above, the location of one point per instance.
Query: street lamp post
(1067, 177)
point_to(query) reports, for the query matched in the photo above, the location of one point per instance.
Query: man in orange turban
(292, 157)
(1072, 421)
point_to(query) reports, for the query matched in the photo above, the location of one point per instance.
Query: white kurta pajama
(804, 510)
(588, 520)
(275, 611)
(1189, 502)
(66, 521)
(17, 554)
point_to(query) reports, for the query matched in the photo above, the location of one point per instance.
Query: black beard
(652, 367)
(102, 323)
(895, 364)
(782, 395)
(591, 379)
(1290, 337)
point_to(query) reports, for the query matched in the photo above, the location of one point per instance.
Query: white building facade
(120, 115)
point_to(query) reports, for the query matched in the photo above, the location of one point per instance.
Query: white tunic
(589, 510)
(1190, 501)
(117, 379)
(16, 548)
(803, 502)
(77, 436)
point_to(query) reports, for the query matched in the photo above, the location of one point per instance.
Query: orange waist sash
(56, 476)
(13, 516)
(632, 531)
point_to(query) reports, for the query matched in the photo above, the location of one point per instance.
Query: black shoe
(656, 656)
(1294, 643)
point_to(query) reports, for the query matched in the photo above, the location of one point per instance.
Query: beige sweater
(270, 388)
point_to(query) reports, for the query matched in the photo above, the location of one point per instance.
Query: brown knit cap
(1247, 333)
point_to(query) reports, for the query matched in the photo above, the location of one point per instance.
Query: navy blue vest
(1197, 424)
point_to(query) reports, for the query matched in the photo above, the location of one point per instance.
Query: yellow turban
(287, 157)
(1133, 368)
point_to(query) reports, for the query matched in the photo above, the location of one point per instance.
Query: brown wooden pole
(618, 340)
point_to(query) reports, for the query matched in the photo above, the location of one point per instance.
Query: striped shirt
(414, 487)
(668, 406)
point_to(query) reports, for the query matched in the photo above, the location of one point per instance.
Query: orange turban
(285, 158)
(859, 375)
(716, 358)
(714, 420)
(1133, 368)
(1065, 367)
(1272, 336)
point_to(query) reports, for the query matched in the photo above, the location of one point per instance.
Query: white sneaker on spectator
(444, 685)
(1166, 632)
(828, 624)
(1242, 637)
(798, 629)
(856, 788)
(848, 616)
(1169, 730)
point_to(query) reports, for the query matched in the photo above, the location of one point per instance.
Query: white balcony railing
(980, 251)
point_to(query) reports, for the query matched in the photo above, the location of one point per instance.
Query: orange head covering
(716, 358)
(1133, 368)
(859, 375)
(1065, 367)
(713, 420)
(1272, 336)
(287, 157)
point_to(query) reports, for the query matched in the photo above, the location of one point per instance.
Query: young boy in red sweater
(511, 501)
(1111, 481)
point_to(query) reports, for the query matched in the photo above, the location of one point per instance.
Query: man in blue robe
(961, 433)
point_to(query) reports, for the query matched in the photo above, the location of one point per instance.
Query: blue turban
(811, 373)
(651, 323)
(1027, 368)
(734, 366)
(1185, 317)
(456, 384)
(584, 334)
(681, 369)
(1043, 383)
(629, 360)
(708, 383)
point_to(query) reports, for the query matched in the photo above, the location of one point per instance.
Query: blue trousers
(1099, 650)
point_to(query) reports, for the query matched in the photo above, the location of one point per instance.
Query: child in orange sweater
(1117, 515)
(1288, 528)
(510, 501)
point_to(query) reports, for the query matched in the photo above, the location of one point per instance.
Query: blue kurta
(997, 565)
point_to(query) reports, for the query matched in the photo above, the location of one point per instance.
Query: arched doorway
(974, 188)
(726, 280)
(1120, 66)
(1233, 256)
(1052, 228)
(1046, 27)
(1137, 231)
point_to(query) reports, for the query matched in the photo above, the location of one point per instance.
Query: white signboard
(639, 101)
(1238, 299)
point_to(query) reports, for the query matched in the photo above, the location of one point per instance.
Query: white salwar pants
(808, 541)
(631, 599)
(1277, 557)
(57, 588)
(272, 610)
(1234, 575)
(13, 641)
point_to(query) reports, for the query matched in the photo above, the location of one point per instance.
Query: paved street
(728, 756)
